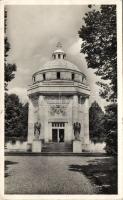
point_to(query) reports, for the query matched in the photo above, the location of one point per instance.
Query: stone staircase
(57, 147)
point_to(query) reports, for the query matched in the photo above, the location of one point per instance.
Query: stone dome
(59, 61)
(59, 69)
(59, 64)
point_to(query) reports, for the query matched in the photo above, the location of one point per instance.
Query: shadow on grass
(7, 163)
(102, 172)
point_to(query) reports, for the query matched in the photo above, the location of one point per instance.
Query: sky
(33, 32)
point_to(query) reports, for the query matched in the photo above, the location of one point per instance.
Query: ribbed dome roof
(59, 63)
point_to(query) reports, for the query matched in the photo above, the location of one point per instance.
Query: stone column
(41, 115)
(30, 121)
(81, 121)
(77, 145)
(69, 125)
(75, 114)
(46, 127)
(50, 131)
(43, 112)
(86, 122)
(75, 108)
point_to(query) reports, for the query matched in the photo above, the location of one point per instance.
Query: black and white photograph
(62, 99)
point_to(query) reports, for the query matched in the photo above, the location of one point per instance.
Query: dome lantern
(58, 53)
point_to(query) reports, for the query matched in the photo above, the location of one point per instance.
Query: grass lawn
(60, 175)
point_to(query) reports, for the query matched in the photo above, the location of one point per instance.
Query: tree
(24, 121)
(100, 46)
(111, 128)
(96, 123)
(16, 117)
(9, 68)
(16, 114)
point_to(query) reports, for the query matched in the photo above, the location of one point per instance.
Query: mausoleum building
(58, 101)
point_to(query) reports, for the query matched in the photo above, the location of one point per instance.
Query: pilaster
(43, 112)
(30, 121)
(81, 121)
(86, 121)
(41, 115)
(46, 127)
(75, 108)
(69, 125)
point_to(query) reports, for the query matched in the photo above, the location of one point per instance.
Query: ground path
(47, 175)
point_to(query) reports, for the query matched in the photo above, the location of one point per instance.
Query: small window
(44, 77)
(54, 56)
(73, 76)
(34, 78)
(58, 75)
(58, 56)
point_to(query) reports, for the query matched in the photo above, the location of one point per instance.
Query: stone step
(57, 147)
(84, 154)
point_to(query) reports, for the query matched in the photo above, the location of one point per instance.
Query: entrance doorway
(58, 129)
(58, 135)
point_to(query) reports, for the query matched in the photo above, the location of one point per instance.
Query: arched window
(58, 75)
(58, 56)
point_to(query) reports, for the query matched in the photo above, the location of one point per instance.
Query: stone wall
(64, 75)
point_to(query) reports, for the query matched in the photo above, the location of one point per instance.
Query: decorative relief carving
(57, 110)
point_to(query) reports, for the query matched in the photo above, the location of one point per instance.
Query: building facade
(58, 98)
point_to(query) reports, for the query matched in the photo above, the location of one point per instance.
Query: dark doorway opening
(61, 135)
(55, 135)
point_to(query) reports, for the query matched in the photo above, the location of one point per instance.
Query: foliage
(111, 128)
(9, 68)
(16, 117)
(16, 114)
(100, 46)
(96, 123)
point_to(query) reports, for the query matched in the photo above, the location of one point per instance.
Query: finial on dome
(59, 53)
(59, 45)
